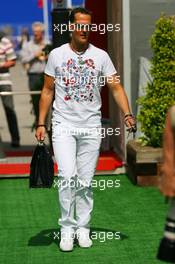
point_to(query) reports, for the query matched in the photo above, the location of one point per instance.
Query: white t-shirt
(78, 82)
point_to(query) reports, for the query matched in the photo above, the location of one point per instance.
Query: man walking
(8, 60)
(72, 75)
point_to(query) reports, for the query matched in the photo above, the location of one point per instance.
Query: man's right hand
(40, 133)
(45, 102)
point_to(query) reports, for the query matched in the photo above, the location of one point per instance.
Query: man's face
(82, 25)
(38, 34)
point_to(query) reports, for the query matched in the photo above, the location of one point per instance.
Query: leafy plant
(160, 94)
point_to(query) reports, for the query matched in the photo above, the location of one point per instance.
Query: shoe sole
(70, 250)
(85, 247)
(66, 250)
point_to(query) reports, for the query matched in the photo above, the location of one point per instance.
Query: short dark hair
(81, 10)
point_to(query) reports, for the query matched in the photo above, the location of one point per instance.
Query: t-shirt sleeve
(9, 50)
(50, 65)
(108, 68)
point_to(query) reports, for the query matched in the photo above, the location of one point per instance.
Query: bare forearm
(44, 104)
(168, 149)
(121, 99)
(8, 64)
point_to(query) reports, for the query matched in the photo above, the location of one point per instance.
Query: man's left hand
(130, 123)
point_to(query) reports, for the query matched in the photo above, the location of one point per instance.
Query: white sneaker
(67, 241)
(83, 238)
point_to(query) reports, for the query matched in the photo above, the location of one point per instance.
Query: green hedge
(160, 94)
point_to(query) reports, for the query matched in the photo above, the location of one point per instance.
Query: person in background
(24, 38)
(167, 181)
(33, 57)
(8, 60)
(166, 251)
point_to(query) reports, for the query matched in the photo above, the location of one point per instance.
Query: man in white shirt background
(33, 59)
(72, 78)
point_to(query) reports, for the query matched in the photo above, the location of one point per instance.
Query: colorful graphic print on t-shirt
(78, 79)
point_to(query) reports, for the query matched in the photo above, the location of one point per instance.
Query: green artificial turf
(28, 220)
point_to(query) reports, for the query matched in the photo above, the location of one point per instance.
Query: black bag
(41, 167)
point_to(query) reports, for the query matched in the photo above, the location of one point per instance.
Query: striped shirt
(7, 53)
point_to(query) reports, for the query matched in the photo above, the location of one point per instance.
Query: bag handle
(40, 142)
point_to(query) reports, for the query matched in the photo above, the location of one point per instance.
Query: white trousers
(76, 152)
